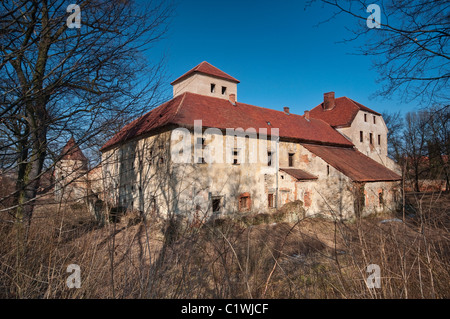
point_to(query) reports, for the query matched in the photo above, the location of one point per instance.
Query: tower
(206, 79)
(71, 173)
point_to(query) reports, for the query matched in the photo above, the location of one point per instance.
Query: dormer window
(213, 88)
(224, 90)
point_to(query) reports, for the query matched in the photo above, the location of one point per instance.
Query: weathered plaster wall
(376, 151)
(141, 174)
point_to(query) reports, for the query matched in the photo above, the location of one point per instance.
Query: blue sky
(276, 49)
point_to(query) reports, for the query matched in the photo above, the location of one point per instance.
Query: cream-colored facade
(142, 176)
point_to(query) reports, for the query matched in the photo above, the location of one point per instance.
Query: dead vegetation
(310, 258)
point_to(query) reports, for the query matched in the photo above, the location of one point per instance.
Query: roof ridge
(261, 107)
(358, 105)
(211, 70)
(178, 107)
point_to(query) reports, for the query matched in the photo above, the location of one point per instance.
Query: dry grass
(314, 258)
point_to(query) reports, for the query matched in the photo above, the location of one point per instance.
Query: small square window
(224, 90)
(213, 88)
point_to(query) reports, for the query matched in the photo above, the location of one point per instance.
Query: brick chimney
(306, 115)
(328, 101)
(232, 98)
(286, 110)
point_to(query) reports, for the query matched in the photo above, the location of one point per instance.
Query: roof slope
(342, 114)
(72, 151)
(209, 69)
(353, 163)
(222, 114)
(299, 174)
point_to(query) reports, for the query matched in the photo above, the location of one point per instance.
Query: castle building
(204, 154)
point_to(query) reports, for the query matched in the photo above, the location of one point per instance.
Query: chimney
(328, 101)
(232, 98)
(286, 110)
(306, 115)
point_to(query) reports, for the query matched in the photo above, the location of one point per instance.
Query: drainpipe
(277, 168)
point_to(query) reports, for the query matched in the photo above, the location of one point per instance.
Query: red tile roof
(342, 114)
(220, 113)
(72, 151)
(299, 174)
(353, 163)
(209, 69)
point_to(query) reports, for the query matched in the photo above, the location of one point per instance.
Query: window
(224, 90)
(379, 139)
(365, 117)
(271, 201)
(244, 202)
(201, 143)
(152, 207)
(216, 204)
(380, 198)
(328, 170)
(370, 138)
(374, 119)
(361, 136)
(235, 156)
(291, 159)
(269, 158)
(213, 88)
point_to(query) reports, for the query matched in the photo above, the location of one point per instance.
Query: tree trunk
(30, 170)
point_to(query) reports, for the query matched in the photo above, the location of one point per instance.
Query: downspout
(277, 168)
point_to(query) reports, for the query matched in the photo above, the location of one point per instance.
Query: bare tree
(395, 125)
(410, 47)
(439, 142)
(58, 80)
(416, 139)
